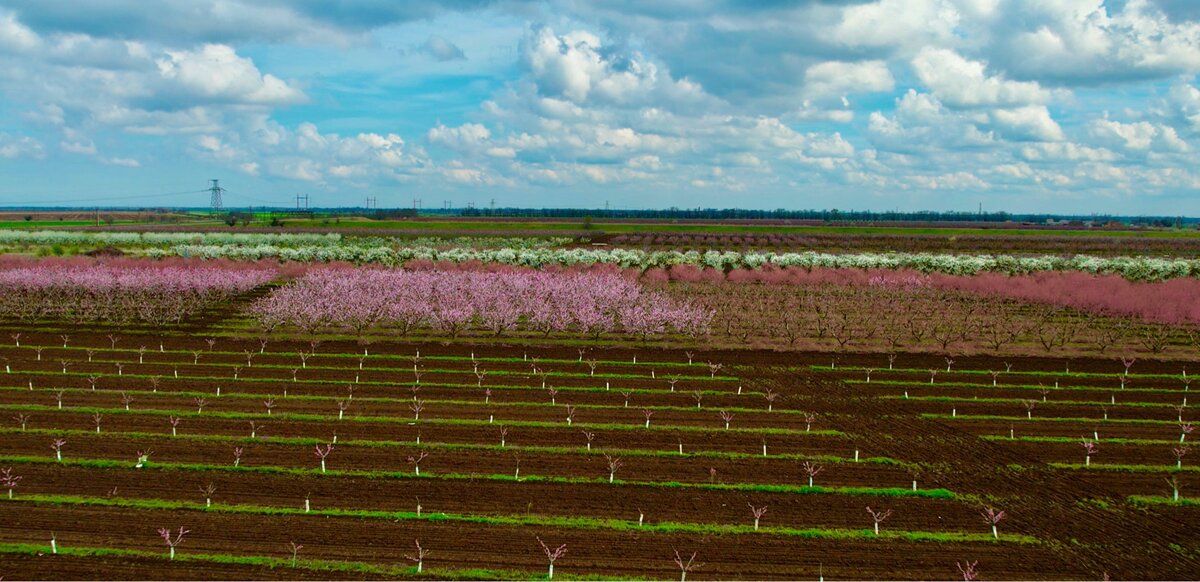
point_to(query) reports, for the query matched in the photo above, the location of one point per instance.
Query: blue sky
(1072, 106)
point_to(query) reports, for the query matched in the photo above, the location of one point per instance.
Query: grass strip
(295, 416)
(403, 475)
(587, 523)
(433, 446)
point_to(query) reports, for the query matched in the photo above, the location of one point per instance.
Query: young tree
(143, 459)
(342, 405)
(1029, 406)
(553, 392)
(126, 400)
(503, 435)
(96, 417)
(200, 403)
(811, 469)
(269, 403)
(589, 435)
(552, 555)
(758, 512)
(1185, 428)
(879, 516)
(968, 571)
(174, 420)
(1089, 449)
(321, 453)
(165, 534)
(58, 397)
(419, 557)
(416, 461)
(1174, 481)
(647, 413)
(714, 368)
(809, 419)
(1128, 363)
(727, 417)
(22, 419)
(208, 493)
(992, 517)
(697, 396)
(8, 480)
(295, 552)
(771, 398)
(237, 456)
(614, 463)
(1180, 452)
(686, 566)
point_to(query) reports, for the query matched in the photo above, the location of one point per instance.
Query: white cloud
(123, 162)
(1137, 136)
(838, 78)
(888, 23)
(960, 82)
(217, 72)
(15, 36)
(577, 67)
(1091, 41)
(18, 146)
(1030, 123)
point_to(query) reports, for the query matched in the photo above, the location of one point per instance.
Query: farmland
(469, 419)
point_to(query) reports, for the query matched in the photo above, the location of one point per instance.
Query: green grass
(368, 570)
(377, 356)
(573, 225)
(1052, 439)
(1023, 418)
(988, 386)
(547, 405)
(295, 416)
(1017, 401)
(1115, 374)
(1157, 500)
(528, 521)
(1127, 468)
(403, 475)
(579, 451)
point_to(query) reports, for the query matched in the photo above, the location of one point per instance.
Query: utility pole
(304, 198)
(371, 202)
(215, 200)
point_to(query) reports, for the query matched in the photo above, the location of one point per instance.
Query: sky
(1062, 106)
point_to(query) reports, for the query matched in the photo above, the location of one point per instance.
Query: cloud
(1030, 123)
(960, 82)
(1092, 42)
(838, 78)
(19, 146)
(442, 49)
(576, 67)
(16, 37)
(217, 72)
(1137, 136)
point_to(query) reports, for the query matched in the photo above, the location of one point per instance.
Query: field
(329, 422)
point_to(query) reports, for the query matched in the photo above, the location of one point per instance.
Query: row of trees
(120, 293)
(917, 317)
(361, 300)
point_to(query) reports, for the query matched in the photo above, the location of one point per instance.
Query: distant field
(716, 227)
